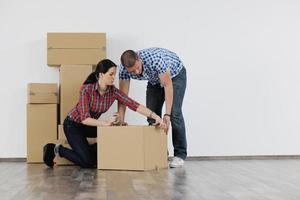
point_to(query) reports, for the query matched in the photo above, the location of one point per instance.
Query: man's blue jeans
(155, 98)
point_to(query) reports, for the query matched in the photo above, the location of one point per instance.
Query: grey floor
(220, 180)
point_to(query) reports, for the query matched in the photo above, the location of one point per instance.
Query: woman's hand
(160, 123)
(106, 123)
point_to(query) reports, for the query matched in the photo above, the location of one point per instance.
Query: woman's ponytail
(92, 78)
(102, 67)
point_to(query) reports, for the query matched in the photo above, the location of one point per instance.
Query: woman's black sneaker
(48, 154)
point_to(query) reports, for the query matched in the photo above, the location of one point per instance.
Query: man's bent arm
(166, 81)
(124, 87)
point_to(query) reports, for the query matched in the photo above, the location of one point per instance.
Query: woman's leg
(82, 154)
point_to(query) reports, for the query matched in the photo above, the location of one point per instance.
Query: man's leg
(155, 96)
(177, 120)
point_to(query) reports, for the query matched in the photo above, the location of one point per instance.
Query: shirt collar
(96, 86)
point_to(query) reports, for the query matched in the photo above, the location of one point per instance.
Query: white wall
(242, 59)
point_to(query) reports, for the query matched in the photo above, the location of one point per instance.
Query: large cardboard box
(41, 129)
(76, 40)
(75, 48)
(42, 93)
(131, 148)
(71, 80)
(58, 57)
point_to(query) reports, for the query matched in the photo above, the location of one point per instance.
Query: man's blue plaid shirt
(156, 61)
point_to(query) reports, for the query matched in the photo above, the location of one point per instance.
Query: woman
(97, 94)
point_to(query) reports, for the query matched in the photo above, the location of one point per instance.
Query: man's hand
(160, 123)
(122, 123)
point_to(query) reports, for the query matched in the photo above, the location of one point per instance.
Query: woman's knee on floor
(88, 162)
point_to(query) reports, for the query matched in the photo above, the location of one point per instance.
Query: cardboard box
(58, 57)
(131, 148)
(71, 80)
(76, 40)
(42, 93)
(75, 48)
(41, 129)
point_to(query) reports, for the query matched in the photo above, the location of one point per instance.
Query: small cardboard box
(46, 93)
(131, 148)
(41, 129)
(71, 80)
(75, 48)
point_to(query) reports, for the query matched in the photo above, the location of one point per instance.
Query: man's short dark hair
(128, 58)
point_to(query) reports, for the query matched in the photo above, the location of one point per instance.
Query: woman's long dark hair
(102, 67)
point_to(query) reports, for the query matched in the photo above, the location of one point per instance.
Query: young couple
(166, 77)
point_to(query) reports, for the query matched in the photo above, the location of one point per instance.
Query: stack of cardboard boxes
(71, 78)
(122, 148)
(41, 118)
(74, 54)
(75, 48)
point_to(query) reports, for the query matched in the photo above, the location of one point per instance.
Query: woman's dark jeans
(82, 153)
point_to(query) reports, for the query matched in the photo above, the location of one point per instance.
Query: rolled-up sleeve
(83, 103)
(161, 65)
(124, 99)
(123, 74)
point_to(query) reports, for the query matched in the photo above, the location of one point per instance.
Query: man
(166, 77)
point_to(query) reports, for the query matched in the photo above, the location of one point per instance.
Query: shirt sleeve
(84, 103)
(123, 73)
(124, 99)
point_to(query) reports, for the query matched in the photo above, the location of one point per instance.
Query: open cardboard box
(131, 148)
